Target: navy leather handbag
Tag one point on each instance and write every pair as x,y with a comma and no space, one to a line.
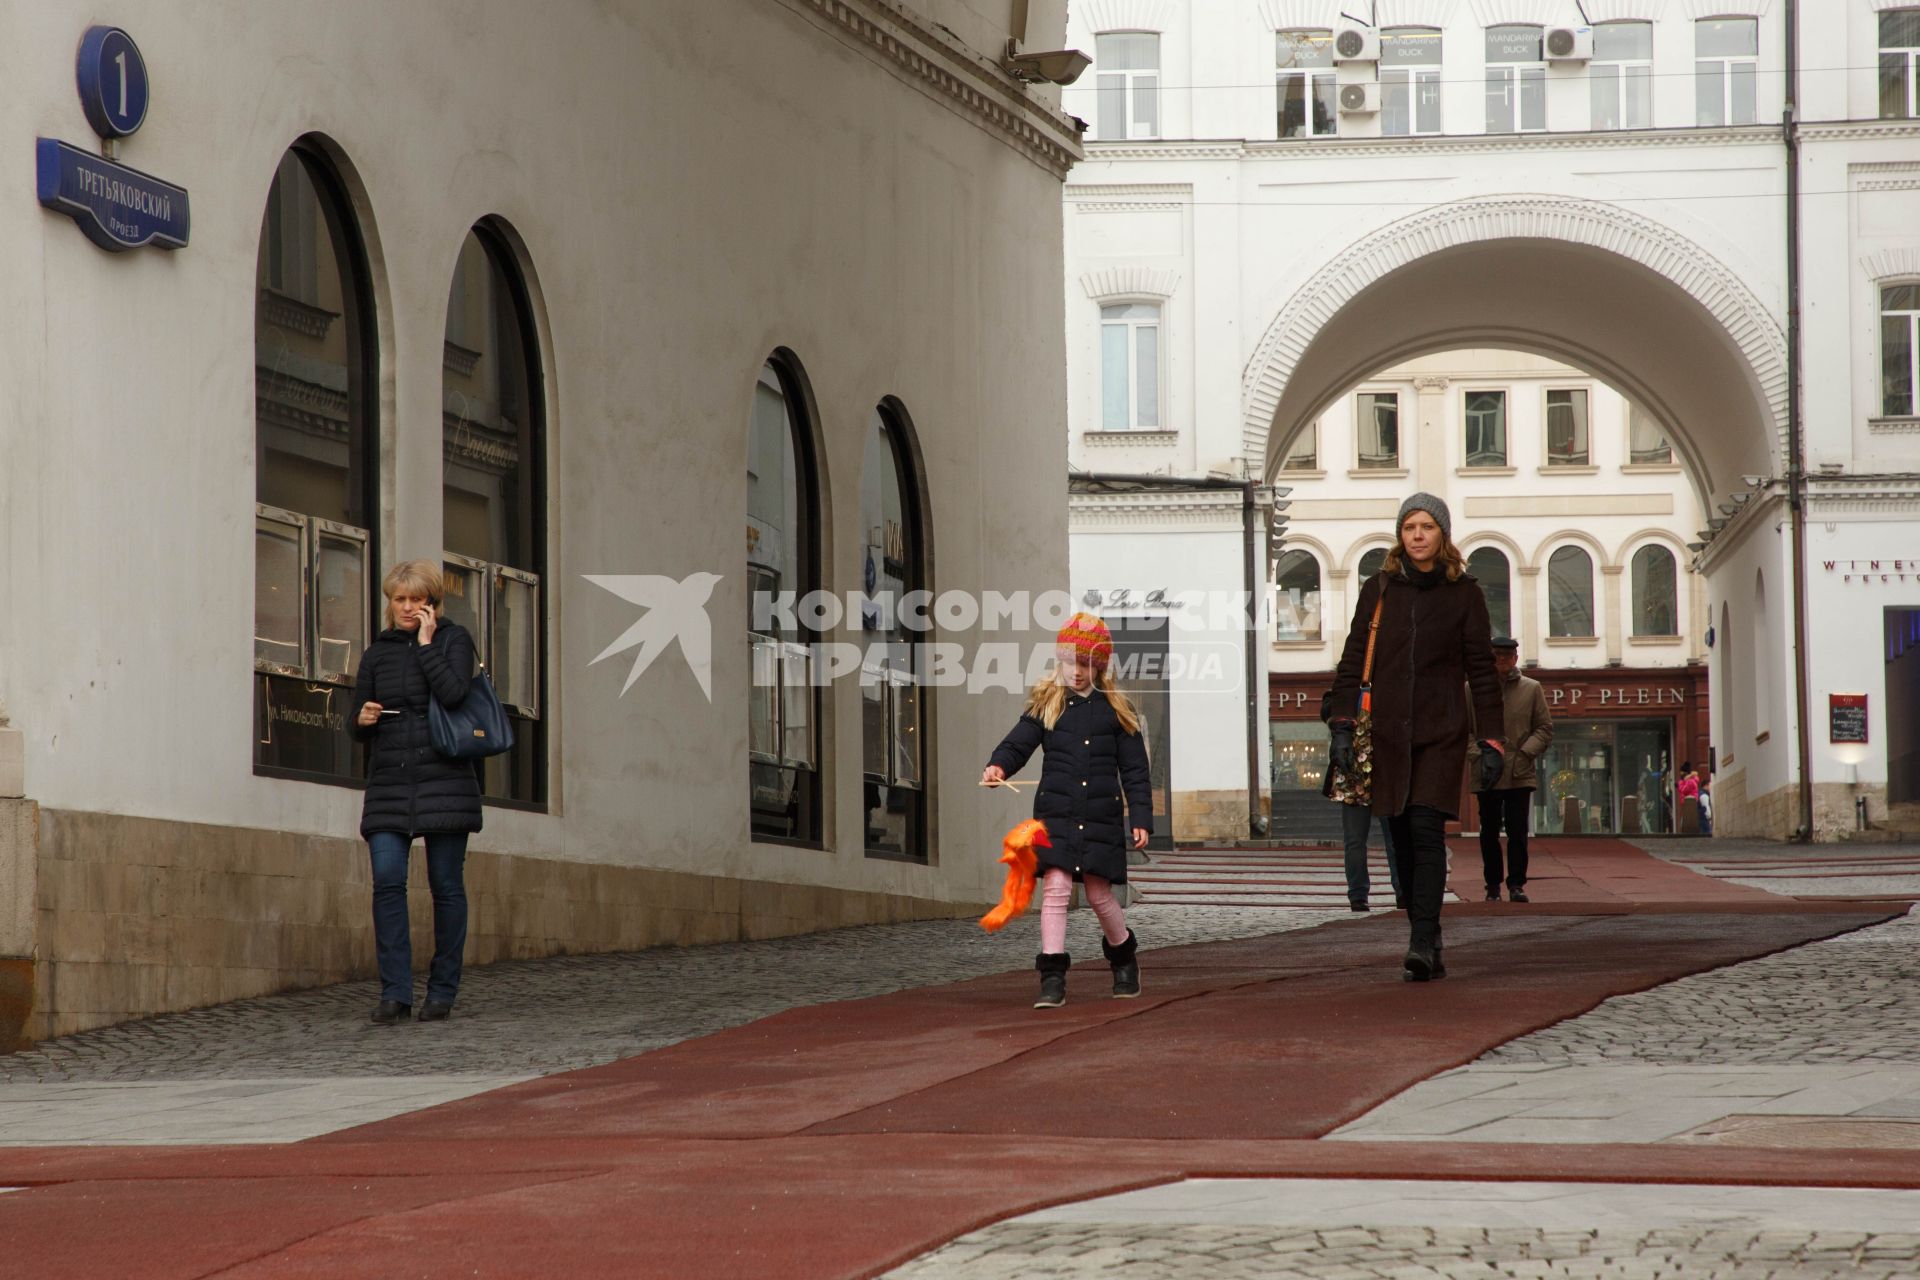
476,728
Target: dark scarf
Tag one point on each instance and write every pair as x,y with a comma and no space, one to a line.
1423,580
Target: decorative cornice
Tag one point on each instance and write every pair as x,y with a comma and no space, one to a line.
970,82
1294,15
1141,439
1416,13
1129,282
1316,149
1557,13
1860,130
1583,222
1886,264
284,311
1113,190
459,359
1177,149
1893,426
1127,15
1202,510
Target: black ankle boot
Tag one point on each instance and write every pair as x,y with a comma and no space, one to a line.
1126,968
1422,963
1053,967
390,1012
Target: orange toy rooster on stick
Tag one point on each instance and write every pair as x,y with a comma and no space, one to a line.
1016,850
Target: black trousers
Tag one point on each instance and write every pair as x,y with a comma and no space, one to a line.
1508,807
1420,846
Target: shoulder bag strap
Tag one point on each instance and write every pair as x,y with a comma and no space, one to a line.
1373,633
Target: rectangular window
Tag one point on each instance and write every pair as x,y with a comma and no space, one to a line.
1309,94
1377,429
1899,350
1409,82
1567,444
1726,70
1486,421
1516,80
1130,366
310,596
1647,443
1900,64
500,607
1127,85
1621,75
1305,455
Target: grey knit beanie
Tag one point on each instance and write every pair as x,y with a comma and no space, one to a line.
1435,507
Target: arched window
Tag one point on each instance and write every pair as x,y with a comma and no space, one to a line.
494,494
1570,593
1370,564
783,557
1296,606
316,458
1656,594
1763,670
1490,568
893,691
1730,679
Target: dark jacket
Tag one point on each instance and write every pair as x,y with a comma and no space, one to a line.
1090,762
1435,645
411,788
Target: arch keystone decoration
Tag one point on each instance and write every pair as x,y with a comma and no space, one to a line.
1890,264
1129,282
1586,223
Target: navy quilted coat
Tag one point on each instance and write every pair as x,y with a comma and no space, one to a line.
1093,785
411,788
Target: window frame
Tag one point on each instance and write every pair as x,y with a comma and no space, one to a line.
1133,327
1585,426
1727,69
1908,55
1634,594
1620,79
1312,462
1360,428
1912,317
1592,595
1421,81
1514,87
1130,92
891,419
1318,635
1506,586
1314,79
1506,428
1637,414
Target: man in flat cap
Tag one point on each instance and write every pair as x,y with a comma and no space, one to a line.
1509,804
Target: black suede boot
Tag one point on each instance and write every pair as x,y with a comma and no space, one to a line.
1423,959
1126,968
1053,966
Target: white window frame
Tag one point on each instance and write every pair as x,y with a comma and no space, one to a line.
1637,414
1359,430
491,579
1633,593
1596,623
1913,349
1318,635
1130,92
1313,77
1506,428
1546,427
1514,86
1312,433
792,667
1133,327
1912,53
1421,81
1726,66
1620,69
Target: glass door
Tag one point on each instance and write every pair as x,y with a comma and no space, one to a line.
1602,777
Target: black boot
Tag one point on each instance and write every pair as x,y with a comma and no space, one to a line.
391,1012
1053,967
1126,968
1422,963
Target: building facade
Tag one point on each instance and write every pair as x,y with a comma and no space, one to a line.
565,298
1283,199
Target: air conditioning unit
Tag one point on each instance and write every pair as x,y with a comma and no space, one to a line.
1570,44
1355,43
1360,99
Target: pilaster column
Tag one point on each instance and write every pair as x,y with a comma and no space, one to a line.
1333,622
1431,414
1615,630
1526,618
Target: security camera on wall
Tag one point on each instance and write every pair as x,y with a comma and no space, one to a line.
1056,66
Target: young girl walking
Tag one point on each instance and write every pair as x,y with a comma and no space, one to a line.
1094,799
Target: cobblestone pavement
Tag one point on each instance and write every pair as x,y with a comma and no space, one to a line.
1797,870
1854,998
524,1018
1082,1250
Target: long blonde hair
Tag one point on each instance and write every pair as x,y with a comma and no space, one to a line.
1449,556
1048,698
415,577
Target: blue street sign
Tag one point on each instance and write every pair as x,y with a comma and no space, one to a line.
119,208
113,82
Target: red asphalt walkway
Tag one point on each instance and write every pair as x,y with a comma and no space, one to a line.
840,1140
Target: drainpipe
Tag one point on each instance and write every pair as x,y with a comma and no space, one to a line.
1796,442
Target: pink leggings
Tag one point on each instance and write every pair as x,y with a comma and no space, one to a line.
1058,892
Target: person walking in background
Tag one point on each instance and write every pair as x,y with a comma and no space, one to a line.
1094,797
1686,787
1420,631
412,790
1509,802
1356,824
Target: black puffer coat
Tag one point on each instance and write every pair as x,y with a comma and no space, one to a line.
411,788
1090,762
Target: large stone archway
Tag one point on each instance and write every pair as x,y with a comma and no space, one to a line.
1612,291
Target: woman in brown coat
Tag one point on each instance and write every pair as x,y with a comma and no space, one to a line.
1433,644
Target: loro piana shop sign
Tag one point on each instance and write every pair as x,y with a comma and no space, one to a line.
118,207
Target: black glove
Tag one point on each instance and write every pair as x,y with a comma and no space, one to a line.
1491,765
1340,747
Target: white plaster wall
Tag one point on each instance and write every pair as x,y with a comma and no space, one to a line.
694,186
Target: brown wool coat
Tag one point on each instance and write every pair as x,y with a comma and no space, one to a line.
1434,647
1529,732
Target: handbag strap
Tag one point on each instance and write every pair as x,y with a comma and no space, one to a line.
1373,634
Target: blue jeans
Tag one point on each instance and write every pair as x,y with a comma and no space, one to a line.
1356,824
392,939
